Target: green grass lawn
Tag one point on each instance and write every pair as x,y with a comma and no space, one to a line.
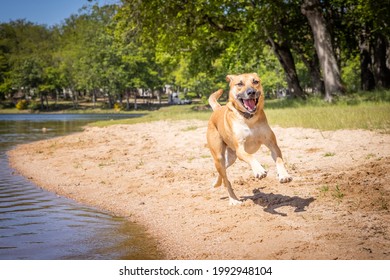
356,111
363,116
359,111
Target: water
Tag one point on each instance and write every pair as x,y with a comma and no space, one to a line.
36,224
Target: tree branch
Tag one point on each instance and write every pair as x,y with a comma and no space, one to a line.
220,26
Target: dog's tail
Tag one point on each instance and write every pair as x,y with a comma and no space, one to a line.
213,99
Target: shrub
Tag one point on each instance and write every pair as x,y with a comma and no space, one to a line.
118,107
22,104
191,95
351,74
205,100
33,106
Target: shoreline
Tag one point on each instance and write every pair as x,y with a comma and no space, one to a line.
159,175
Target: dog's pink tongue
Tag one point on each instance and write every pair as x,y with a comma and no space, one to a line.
250,104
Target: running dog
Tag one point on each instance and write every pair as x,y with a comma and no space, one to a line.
239,128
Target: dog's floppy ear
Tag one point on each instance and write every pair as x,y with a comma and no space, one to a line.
229,78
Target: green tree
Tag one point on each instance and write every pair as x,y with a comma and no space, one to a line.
363,30
204,31
26,52
324,47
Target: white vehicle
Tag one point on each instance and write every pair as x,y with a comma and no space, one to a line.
175,100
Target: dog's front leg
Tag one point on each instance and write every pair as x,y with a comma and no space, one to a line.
258,170
276,154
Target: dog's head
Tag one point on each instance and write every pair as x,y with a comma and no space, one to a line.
246,93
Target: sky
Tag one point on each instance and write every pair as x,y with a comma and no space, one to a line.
47,12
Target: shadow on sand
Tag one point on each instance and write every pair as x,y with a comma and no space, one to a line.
272,201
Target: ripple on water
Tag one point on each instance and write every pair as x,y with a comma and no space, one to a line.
36,224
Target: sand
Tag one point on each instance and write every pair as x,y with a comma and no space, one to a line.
160,175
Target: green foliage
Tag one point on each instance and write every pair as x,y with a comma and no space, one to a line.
337,193
26,51
118,107
22,104
350,74
190,45
32,105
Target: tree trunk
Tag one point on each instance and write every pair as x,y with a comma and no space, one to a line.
159,96
323,44
127,99
381,71
94,98
367,81
286,59
47,101
135,99
110,100
57,98
313,66
42,101
315,76
74,94
76,99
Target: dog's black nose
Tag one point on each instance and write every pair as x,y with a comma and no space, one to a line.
250,92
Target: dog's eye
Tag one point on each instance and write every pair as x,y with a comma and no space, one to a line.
240,84
255,82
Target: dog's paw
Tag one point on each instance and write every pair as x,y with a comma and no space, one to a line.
258,171
261,173
217,183
233,201
285,178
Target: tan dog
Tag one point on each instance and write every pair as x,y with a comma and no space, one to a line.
238,130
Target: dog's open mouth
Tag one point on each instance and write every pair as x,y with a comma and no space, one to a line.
249,104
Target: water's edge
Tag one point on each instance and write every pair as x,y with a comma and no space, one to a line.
38,224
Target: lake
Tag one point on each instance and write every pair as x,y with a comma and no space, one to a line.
36,224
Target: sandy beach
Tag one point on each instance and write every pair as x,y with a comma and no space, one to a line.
160,174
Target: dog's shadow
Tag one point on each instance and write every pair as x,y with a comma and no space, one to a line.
272,201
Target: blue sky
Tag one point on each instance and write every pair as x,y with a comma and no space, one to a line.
48,12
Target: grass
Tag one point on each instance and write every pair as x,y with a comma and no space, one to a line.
176,112
370,111
332,117
362,110
190,128
329,154
337,193
324,189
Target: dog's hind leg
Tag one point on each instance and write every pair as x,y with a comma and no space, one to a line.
230,159
220,165
222,157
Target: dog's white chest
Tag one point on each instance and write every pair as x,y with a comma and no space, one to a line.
245,134
242,131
